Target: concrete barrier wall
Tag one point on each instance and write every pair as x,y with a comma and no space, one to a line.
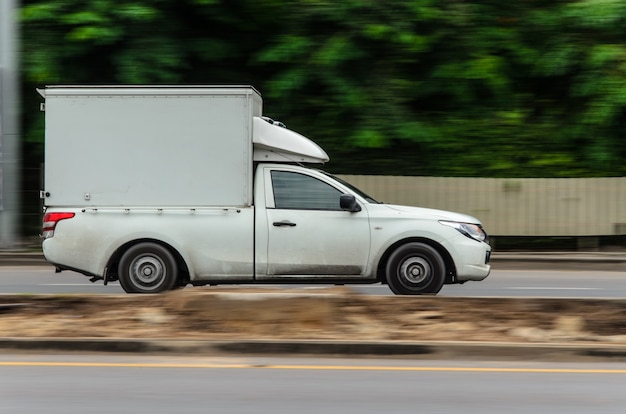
513,207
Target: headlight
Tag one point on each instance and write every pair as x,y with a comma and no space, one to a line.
473,231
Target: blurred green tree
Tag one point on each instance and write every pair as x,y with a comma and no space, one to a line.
420,87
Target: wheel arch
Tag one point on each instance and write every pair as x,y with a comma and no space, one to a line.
445,255
114,260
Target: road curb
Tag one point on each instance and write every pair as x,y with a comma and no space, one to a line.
22,259
419,350
560,261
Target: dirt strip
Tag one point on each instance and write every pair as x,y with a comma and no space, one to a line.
313,314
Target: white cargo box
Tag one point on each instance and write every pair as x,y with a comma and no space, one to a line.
146,146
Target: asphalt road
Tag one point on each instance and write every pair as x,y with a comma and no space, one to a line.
95,383
517,283
67,384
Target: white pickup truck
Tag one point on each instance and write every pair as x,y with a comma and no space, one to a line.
164,186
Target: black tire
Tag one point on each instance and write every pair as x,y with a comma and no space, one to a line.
415,269
147,268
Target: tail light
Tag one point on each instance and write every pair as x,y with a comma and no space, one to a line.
50,221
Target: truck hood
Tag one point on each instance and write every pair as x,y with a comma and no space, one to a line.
429,213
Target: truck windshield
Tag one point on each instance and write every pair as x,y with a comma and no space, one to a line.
351,187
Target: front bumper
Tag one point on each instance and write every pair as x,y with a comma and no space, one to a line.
471,259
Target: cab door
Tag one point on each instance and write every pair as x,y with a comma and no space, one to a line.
308,234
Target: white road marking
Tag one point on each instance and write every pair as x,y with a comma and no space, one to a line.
76,284
549,288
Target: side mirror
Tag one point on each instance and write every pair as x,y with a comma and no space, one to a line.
348,202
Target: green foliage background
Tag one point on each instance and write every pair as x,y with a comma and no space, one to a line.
527,88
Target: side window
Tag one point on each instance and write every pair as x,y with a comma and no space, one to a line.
301,192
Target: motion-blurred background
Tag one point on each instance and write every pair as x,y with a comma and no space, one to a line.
522,103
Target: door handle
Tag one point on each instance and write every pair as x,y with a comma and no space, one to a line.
284,223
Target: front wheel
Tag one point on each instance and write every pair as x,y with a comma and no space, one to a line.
147,268
415,269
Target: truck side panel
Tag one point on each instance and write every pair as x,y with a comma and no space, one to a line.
215,243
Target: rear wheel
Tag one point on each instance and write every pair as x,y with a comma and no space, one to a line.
147,268
415,269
